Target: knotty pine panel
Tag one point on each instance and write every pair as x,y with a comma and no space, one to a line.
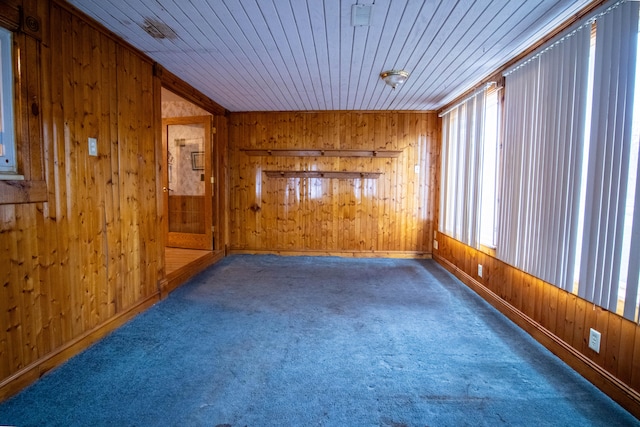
393,213
561,313
91,253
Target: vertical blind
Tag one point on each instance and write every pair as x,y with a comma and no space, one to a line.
545,109
462,150
569,189
608,168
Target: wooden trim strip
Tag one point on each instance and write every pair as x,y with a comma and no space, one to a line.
323,174
627,397
175,84
322,153
302,112
343,254
23,192
9,16
180,276
19,380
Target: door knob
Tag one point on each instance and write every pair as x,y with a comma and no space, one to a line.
165,189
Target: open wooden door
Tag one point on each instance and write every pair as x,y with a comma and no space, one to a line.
187,182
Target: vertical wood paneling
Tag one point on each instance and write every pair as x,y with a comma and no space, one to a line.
390,214
563,314
92,251
635,358
626,353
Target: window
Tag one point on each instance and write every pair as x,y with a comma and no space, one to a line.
609,265
566,207
22,173
469,150
569,175
545,113
8,164
489,171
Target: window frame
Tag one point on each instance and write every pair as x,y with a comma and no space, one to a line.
27,32
7,120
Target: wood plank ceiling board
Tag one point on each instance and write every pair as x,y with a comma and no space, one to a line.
297,55
473,42
443,45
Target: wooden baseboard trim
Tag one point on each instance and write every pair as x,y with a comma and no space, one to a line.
343,254
627,397
19,380
180,276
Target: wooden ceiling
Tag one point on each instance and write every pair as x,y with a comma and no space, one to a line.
295,55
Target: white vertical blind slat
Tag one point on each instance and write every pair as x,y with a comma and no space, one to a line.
444,174
479,118
556,177
576,134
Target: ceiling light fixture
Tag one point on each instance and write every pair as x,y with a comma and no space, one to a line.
394,77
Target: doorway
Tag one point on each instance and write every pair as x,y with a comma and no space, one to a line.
192,187
188,183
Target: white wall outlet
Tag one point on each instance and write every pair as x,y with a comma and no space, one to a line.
479,270
594,340
435,244
93,147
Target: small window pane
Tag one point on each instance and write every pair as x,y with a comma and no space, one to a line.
8,166
489,171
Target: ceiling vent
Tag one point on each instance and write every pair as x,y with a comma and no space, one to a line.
361,15
157,29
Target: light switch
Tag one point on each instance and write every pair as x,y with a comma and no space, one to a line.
93,147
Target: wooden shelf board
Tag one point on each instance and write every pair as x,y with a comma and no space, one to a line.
323,174
321,153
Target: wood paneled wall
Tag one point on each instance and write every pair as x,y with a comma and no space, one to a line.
91,255
558,319
391,215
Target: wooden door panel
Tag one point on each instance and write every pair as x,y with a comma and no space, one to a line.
187,182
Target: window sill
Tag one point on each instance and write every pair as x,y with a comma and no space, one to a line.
11,177
489,250
14,192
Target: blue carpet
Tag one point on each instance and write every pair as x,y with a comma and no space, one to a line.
277,341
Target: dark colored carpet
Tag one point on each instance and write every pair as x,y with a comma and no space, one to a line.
275,341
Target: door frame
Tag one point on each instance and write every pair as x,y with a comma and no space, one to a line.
190,240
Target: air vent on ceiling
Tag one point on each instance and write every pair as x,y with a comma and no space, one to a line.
158,30
361,15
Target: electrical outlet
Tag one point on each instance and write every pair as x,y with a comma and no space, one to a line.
479,270
594,340
93,147
435,244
